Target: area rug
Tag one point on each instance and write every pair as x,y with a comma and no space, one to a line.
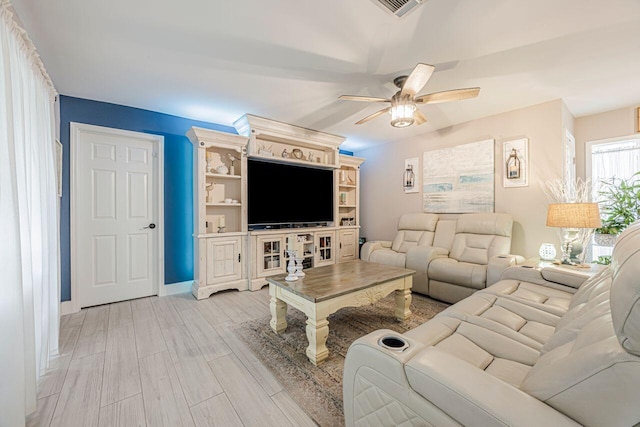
318,389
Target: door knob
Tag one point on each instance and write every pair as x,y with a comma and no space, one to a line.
151,226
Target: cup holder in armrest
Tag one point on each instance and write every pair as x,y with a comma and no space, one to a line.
393,343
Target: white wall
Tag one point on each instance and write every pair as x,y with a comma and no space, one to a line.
383,199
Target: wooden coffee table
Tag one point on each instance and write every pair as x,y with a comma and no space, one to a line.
325,290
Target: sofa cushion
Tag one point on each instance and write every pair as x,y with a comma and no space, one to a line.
592,379
407,239
625,289
485,223
388,257
499,355
541,297
460,273
517,321
414,229
596,305
418,221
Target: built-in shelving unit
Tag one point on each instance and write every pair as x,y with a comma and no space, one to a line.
220,226
227,255
348,206
285,143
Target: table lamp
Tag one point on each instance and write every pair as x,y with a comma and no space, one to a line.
572,217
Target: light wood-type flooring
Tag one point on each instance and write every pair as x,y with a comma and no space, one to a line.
170,361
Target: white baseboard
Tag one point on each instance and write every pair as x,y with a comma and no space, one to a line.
66,307
175,288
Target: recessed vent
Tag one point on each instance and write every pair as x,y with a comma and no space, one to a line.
399,7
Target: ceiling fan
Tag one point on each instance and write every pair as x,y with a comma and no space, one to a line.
404,111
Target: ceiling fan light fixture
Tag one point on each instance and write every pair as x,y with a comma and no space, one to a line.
402,109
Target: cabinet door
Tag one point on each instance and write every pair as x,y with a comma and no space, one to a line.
223,260
348,246
270,258
325,248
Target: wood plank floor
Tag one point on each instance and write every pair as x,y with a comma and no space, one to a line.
170,361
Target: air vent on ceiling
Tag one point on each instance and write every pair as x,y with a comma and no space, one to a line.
399,7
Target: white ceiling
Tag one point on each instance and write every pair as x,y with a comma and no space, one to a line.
289,60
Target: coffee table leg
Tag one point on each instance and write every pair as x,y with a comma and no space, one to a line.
317,333
278,315
403,302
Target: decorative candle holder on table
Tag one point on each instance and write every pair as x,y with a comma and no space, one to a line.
299,272
291,267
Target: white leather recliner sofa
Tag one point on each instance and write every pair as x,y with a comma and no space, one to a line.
452,258
527,351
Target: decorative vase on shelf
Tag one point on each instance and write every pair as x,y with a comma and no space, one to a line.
209,165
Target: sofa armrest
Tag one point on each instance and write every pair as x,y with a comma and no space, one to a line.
498,264
533,275
418,259
366,358
369,247
473,397
565,275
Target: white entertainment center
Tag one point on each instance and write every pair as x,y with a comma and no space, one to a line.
228,255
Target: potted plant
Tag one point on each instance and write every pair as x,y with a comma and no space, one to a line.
619,207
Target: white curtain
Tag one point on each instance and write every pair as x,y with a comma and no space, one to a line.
29,260
619,159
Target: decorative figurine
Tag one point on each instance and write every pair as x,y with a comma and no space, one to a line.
291,268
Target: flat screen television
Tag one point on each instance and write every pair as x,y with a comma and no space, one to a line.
284,194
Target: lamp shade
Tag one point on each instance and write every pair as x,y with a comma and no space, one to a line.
573,215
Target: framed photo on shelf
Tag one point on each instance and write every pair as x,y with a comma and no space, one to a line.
515,163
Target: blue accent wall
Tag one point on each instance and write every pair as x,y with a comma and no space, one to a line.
178,177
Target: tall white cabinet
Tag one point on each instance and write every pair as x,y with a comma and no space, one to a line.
230,256
347,182
220,218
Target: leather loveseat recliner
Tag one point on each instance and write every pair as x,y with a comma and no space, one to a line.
528,351
452,258
414,229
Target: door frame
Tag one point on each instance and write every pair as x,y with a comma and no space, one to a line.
158,141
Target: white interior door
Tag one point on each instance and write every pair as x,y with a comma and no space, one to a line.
116,214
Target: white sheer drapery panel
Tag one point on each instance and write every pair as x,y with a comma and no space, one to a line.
620,159
29,248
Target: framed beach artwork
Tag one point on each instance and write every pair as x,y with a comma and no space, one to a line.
459,179
515,163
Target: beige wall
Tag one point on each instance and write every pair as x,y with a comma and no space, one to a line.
612,124
383,200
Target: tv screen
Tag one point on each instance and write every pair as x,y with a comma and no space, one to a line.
288,194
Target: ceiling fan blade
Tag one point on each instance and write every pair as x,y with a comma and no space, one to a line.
419,117
373,116
363,98
448,95
417,79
